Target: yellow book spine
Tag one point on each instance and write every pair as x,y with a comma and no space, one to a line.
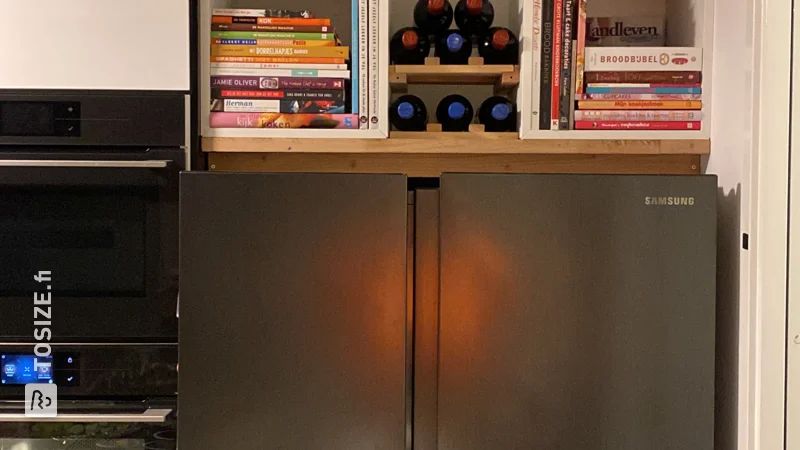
640,104
297,52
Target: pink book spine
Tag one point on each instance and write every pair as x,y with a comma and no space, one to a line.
634,125
626,116
282,120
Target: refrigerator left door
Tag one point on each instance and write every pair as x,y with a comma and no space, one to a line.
293,311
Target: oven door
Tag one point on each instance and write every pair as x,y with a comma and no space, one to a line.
97,234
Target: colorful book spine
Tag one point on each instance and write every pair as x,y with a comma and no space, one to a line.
580,46
608,90
545,88
652,115
239,12
565,82
536,60
277,60
363,65
644,59
636,104
251,28
644,77
261,66
555,91
272,35
644,85
300,52
332,94
354,57
639,97
636,125
374,82
274,42
279,120
295,21
266,83
274,106
259,73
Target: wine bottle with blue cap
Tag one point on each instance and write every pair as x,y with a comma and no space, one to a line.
408,113
453,47
433,16
454,113
498,114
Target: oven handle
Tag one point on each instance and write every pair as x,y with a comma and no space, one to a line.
78,163
149,416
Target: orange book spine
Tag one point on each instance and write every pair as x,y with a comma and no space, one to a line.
277,60
297,21
641,104
293,21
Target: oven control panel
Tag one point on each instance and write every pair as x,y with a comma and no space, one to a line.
62,369
40,118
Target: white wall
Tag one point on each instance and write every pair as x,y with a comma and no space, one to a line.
94,44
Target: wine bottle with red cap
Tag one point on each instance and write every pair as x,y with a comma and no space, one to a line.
474,17
455,113
453,47
433,16
498,114
408,113
409,45
499,46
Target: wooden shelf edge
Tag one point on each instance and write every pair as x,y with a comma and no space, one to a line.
460,143
433,165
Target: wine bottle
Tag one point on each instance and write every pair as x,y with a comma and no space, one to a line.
499,46
498,114
454,112
453,47
474,17
433,16
408,113
409,46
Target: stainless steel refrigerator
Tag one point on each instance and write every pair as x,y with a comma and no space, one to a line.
345,312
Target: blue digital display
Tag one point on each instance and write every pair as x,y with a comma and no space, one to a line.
24,369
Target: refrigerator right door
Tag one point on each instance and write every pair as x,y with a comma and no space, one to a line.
577,312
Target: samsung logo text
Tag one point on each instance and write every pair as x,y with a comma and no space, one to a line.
669,201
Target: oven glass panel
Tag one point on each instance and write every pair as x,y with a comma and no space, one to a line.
93,240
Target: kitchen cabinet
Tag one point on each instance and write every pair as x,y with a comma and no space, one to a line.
95,44
334,311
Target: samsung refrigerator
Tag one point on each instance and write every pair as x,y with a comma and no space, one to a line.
495,311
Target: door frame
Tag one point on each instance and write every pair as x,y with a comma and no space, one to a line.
765,215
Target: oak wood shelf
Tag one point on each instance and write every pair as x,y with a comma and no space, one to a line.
433,165
466,143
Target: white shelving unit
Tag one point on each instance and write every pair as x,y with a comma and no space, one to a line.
690,23
340,14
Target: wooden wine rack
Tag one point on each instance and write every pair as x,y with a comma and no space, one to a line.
503,76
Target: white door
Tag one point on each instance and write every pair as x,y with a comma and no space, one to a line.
792,420
94,44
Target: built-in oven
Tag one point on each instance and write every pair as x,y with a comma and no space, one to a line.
89,248
89,216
